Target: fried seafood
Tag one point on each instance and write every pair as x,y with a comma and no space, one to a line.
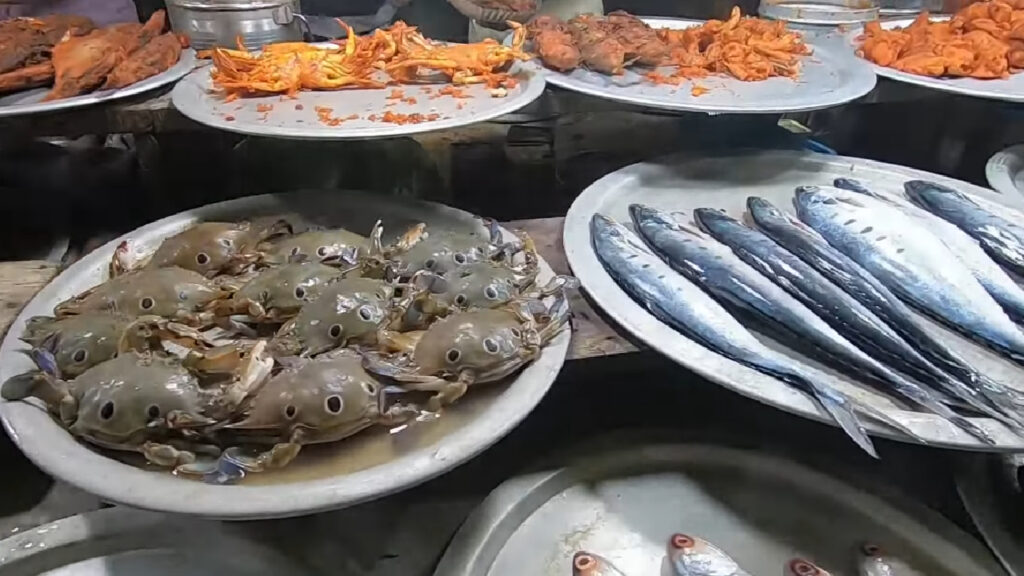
485,62
749,49
151,59
29,41
271,339
984,40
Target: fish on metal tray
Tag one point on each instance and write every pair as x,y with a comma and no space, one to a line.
911,262
752,297
689,310
694,556
996,281
589,564
970,386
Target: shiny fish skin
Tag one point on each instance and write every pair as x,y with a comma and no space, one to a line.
996,281
694,556
971,386
872,561
911,262
589,564
685,307
852,320
1002,239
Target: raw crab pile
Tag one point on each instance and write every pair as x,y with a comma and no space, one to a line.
232,345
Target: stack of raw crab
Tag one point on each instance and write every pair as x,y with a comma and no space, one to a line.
240,342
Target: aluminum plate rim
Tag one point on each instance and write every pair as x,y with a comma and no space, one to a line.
51,448
626,312
186,63
477,543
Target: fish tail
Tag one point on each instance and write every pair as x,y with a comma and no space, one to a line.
884,418
838,406
924,399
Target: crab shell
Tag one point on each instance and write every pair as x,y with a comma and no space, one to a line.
277,293
314,245
77,343
349,310
169,292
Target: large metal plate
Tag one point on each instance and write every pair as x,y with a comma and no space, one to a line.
827,78
29,101
1009,89
124,541
297,117
681,184
361,468
762,510
988,493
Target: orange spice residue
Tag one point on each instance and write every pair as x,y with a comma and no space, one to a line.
699,90
401,119
426,89
396,94
264,107
409,101
324,115
452,91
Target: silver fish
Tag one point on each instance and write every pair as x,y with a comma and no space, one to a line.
857,337
685,307
589,564
872,561
911,262
801,567
1002,239
995,280
694,556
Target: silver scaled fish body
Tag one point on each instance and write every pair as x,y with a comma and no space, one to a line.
589,564
685,307
694,556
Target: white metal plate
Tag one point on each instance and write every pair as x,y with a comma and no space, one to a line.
828,77
369,465
29,101
684,184
1009,89
283,117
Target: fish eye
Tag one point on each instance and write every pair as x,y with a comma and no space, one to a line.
334,331
202,259
226,242
300,292
365,313
182,295
107,410
460,299
453,355
681,541
490,346
429,263
491,293
290,411
321,251
459,258
146,303
370,388
870,549
803,568
334,404
153,411
80,355
584,562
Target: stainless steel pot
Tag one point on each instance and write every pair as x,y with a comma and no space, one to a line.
209,23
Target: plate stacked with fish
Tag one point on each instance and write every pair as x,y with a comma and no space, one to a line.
881,299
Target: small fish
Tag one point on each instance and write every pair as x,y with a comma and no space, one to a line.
996,281
589,564
970,386
911,262
688,309
1002,239
801,567
851,319
694,556
872,561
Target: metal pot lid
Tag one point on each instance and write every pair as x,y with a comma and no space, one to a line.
230,4
819,13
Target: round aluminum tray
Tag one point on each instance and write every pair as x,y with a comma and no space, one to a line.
678,183
367,466
763,510
987,489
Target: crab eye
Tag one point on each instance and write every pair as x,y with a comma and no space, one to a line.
459,258
453,355
370,388
365,313
300,292
146,303
334,404
321,251
290,411
460,299
107,410
202,259
334,331
490,346
491,293
80,355
153,411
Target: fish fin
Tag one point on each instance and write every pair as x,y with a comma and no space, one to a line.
842,412
884,418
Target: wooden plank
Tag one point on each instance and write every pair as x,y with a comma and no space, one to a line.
19,282
592,335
